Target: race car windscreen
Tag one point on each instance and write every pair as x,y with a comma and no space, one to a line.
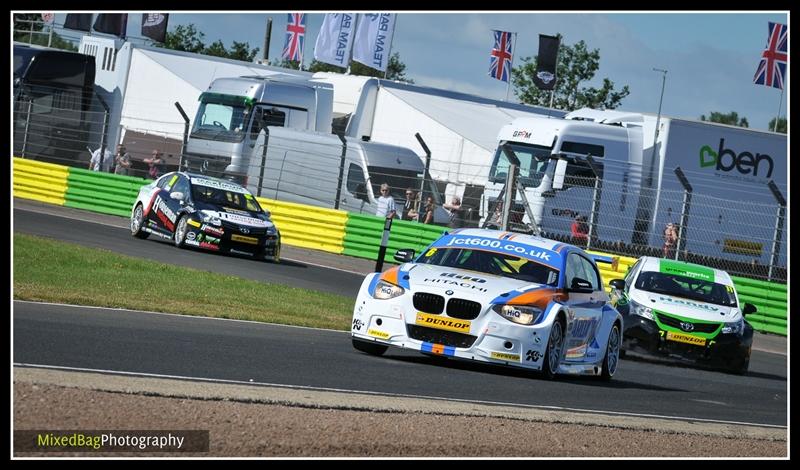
489,262
223,198
687,288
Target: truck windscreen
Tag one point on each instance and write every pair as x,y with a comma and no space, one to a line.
222,117
533,161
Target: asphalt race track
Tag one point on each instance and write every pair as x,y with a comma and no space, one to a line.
147,343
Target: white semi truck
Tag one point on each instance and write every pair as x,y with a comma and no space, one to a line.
732,213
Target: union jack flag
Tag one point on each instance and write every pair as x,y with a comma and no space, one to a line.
500,58
772,68
295,37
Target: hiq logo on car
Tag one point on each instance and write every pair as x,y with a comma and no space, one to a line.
725,159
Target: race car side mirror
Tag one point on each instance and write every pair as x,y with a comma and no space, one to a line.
748,309
580,285
404,256
618,284
177,195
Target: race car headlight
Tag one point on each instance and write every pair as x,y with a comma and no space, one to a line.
641,310
385,290
272,231
735,327
210,218
521,314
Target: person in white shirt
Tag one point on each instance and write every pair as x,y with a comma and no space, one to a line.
94,163
386,206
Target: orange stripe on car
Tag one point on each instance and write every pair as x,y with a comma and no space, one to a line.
539,297
391,275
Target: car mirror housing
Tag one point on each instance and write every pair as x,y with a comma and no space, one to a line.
404,256
749,309
177,195
580,285
618,284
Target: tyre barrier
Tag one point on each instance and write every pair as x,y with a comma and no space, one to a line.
328,230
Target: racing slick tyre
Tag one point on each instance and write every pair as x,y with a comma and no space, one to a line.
552,355
137,221
740,367
611,359
179,237
369,347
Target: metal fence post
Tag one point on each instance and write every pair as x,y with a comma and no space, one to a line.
387,228
263,162
340,181
27,127
509,194
104,135
596,193
687,201
424,174
185,134
776,238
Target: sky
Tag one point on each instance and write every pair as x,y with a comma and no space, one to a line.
710,57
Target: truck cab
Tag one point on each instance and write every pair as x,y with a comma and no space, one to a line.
539,143
233,111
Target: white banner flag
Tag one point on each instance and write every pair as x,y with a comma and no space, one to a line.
335,39
374,40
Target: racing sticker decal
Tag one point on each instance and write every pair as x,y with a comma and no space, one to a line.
687,303
212,230
510,247
430,252
171,182
378,333
243,239
532,355
194,223
438,349
442,323
357,324
218,185
695,272
164,213
243,220
235,211
505,356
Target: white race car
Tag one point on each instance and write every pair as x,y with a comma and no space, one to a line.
684,311
494,297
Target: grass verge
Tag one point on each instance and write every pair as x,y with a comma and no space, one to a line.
53,271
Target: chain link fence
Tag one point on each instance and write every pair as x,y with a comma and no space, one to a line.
742,232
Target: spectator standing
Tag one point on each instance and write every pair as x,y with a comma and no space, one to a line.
95,162
155,164
123,161
426,215
456,212
386,206
670,240
580,230
410,206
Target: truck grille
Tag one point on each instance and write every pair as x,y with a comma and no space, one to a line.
428,303
463,309
698,327
447,338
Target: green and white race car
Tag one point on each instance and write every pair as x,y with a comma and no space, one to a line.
683,311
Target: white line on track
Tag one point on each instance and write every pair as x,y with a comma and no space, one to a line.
396,395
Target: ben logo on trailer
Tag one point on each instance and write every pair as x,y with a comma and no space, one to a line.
725,159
